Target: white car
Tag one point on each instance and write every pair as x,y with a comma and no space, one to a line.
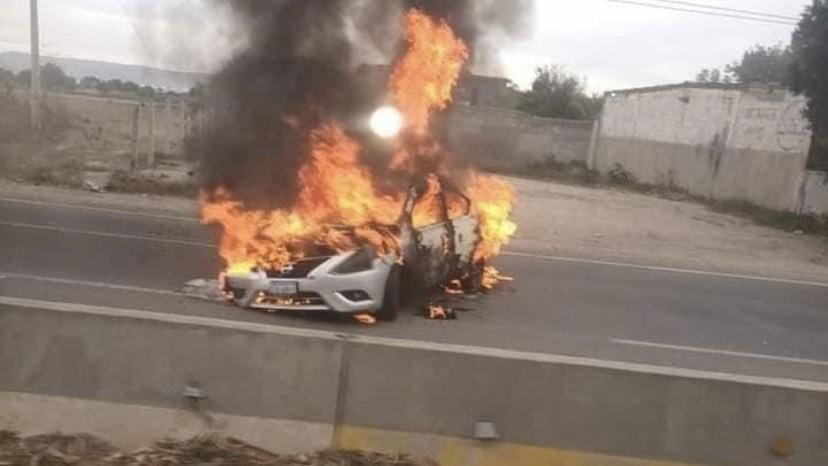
362,281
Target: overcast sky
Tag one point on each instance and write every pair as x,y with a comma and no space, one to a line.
614,45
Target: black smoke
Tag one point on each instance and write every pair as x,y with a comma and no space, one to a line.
298,70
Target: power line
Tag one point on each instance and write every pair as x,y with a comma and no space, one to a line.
709,13
732,10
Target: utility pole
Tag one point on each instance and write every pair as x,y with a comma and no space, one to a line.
34,92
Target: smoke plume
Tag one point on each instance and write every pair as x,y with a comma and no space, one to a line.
299,69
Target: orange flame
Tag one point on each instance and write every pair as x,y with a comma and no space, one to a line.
494,199
423,79
339,206
439,312
336,191
365,319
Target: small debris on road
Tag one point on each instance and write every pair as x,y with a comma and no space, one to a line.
90,185
365,319
440,312
203,288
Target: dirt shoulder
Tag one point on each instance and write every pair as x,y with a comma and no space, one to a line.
146,203
580,222
609,224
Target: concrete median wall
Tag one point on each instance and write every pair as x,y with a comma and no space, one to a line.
290,390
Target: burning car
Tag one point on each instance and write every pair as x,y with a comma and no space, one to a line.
364,280
317,214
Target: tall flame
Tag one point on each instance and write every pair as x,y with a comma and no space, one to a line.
494,199
425,76
337,189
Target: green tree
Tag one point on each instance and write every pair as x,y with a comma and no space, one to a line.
23,77
197,91
147,92
713,75
90,82
131,87
110,86
809,71
51,77
555,93
766,64
6,75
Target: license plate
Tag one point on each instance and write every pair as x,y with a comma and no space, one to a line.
282,288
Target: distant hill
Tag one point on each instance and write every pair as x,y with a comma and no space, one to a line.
143,75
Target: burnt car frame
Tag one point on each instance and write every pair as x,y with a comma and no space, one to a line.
362,281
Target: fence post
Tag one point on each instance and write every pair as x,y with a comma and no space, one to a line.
171,129
151,155
133,160
593,144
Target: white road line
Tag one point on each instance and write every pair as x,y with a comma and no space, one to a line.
99,209
74,308
693,349
157,239
505,253
66,281
666,269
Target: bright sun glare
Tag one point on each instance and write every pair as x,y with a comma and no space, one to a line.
386,122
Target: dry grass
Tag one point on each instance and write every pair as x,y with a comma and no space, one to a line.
125,182
37,165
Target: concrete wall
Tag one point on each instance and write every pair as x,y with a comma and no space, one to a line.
508,139
815,193
487,136
82,368
722,143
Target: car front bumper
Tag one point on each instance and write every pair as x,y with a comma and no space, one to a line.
322,289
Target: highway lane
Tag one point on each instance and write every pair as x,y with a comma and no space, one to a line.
657,316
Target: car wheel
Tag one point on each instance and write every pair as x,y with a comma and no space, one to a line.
472,281
391,297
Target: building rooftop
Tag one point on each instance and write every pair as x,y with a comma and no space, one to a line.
770,87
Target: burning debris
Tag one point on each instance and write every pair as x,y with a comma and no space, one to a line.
365,319
288,171
440,312
82,449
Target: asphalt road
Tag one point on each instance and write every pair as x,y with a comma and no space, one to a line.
690,319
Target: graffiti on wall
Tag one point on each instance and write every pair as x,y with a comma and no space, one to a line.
774,128
792,131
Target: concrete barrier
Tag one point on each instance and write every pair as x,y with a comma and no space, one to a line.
114,363
84,368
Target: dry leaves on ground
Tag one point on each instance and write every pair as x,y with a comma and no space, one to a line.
213,450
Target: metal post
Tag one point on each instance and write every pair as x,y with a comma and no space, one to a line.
151,155
133,161
171,126
34,92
